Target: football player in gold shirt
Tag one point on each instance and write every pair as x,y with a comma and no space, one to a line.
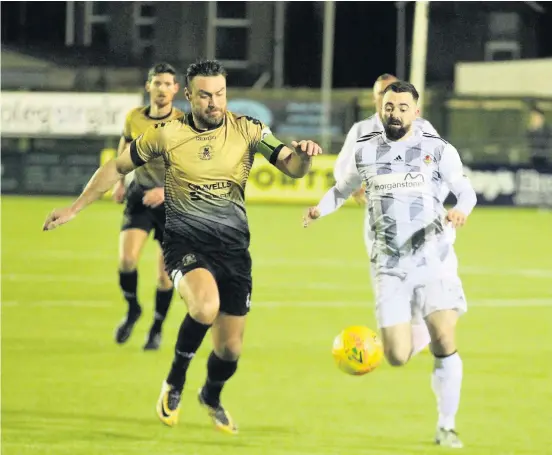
144,208
208,155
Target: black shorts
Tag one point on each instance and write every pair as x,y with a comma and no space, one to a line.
139,216
231,269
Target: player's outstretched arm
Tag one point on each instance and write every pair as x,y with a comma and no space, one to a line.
336,196
102,181
296,162
330,202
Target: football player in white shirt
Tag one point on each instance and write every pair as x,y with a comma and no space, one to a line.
404,170
420,333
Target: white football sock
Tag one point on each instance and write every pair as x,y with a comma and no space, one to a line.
420,337
446,382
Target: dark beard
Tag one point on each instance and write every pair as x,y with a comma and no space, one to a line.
210,123
396,133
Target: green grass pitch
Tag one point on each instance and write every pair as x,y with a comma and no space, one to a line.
68,389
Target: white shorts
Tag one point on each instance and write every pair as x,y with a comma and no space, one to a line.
414,294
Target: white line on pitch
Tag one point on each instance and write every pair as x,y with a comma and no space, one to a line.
285,262
489,303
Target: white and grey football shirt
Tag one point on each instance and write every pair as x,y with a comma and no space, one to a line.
404,182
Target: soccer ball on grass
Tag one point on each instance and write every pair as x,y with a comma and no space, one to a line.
357,350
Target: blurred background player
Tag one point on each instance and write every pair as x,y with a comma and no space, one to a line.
372,124
403,169
209,154
144,210
539,136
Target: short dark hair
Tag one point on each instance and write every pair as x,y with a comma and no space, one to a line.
161,68
204,68
386,77
403,87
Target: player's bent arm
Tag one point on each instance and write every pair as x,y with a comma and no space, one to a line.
465,195
332,201
452,171
294,162
104,179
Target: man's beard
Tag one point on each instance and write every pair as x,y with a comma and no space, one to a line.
394,133
209,121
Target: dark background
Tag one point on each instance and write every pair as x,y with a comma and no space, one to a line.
365,33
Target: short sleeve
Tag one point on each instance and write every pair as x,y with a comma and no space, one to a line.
427,127
350,179
343,158
149,145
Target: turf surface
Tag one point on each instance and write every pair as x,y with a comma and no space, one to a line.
68,389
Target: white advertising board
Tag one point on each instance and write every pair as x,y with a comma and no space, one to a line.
65,114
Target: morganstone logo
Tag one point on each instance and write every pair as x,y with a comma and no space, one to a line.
399,181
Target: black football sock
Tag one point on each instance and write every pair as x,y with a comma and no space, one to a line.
129,285
163,299
190,337
218,372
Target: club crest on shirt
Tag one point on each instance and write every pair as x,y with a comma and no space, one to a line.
205,152
428,159
188,259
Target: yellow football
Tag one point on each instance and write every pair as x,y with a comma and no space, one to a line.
357,350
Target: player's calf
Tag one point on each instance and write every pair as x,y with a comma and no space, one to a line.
131,242
219,371
446,379
222,365
163,297
128,281
199,290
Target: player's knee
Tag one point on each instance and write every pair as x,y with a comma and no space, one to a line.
442,343
205,314
397,356
230,349
204,309
128,263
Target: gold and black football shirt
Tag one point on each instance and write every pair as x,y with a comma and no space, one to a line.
137,121
206,175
